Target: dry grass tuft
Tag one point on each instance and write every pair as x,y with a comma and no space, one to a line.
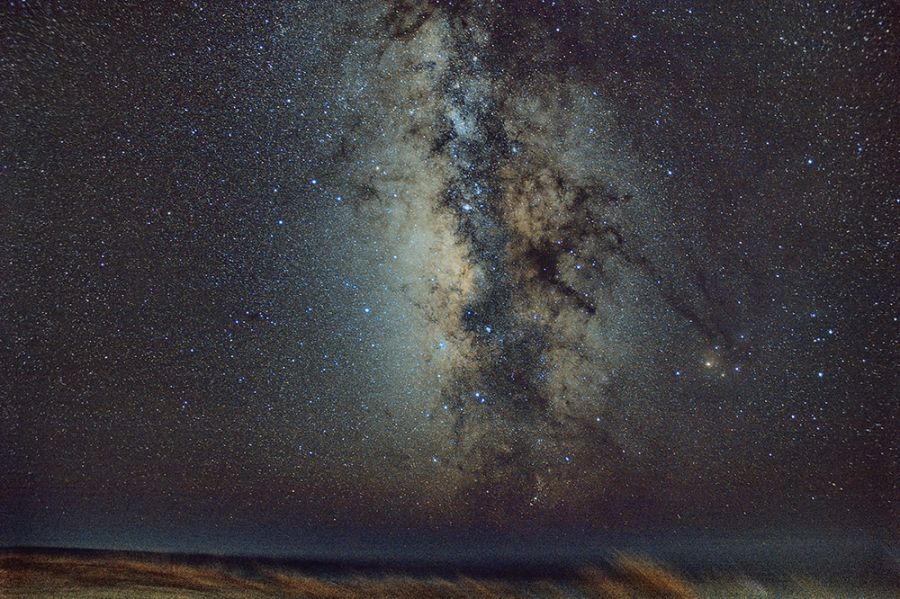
651,579
596,583
634,577
489,589
392,587
307,586
53,572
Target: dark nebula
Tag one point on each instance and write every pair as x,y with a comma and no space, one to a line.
324,278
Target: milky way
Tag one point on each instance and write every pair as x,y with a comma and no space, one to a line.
309,279
541,257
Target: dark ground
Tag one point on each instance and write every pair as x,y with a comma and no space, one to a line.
47,572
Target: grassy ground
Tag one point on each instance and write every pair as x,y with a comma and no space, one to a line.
113,577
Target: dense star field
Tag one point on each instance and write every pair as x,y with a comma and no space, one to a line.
337,277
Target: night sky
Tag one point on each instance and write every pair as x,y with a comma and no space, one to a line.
316,277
